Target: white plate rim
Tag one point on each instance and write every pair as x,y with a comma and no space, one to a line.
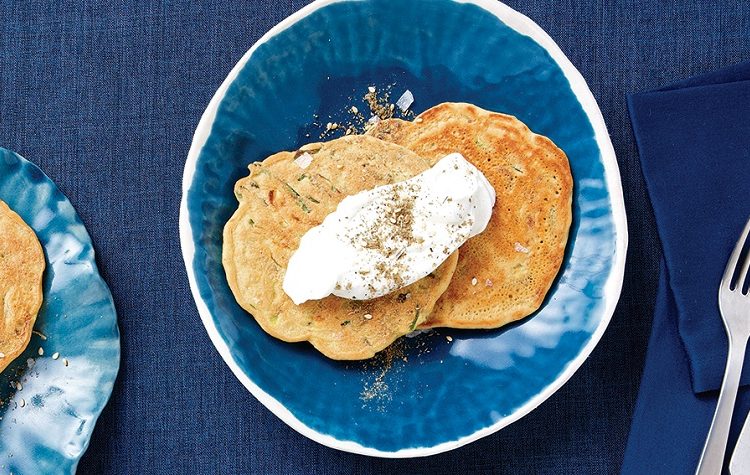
612,289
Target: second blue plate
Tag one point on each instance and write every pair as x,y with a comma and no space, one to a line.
50,398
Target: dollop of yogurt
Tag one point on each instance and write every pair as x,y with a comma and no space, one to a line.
386,238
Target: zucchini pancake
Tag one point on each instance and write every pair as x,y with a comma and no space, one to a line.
21,267
503,273
279,202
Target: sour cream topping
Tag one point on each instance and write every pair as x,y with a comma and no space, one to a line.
386,238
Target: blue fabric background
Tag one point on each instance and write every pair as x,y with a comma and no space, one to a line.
104,96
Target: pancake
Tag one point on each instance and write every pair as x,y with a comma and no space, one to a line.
278,203
21,268
503,273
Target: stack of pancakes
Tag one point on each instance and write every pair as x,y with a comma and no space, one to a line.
496,277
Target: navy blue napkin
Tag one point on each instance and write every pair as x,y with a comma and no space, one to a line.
694,142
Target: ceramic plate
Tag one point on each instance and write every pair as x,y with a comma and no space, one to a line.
431,393
46,422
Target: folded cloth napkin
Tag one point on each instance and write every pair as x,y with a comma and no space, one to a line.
694,142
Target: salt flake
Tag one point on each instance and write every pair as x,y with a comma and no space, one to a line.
304,160
405,101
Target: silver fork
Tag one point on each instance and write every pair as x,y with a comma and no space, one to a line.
735,311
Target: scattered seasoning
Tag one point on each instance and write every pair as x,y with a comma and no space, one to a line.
488,283
368,316
65,361
474,281
2,355
377,100
311,147
449,338
520,248
39,334
40,351
55,355
19,386
390,235
379,105
23,402
381,373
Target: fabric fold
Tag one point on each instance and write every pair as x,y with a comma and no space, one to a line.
694,144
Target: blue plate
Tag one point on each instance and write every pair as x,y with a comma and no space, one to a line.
431,393
46,423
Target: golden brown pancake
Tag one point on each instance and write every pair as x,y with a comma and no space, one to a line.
503,273
21,268
279,203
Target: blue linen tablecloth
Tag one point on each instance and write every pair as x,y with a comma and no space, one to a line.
105,96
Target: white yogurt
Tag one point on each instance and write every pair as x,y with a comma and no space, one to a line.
386,238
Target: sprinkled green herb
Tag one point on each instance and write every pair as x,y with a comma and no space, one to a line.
300,201
302,177
312,199
416,317
291,190
479,143
330,183
345,323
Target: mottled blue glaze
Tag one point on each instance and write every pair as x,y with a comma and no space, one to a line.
441,51
49,431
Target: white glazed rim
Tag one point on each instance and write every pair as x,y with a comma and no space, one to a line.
612,288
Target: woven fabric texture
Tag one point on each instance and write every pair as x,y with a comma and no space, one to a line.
105,96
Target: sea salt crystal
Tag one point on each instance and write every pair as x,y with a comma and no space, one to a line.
304,160
405,101
519,248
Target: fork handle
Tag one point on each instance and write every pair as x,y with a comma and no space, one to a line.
712,458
